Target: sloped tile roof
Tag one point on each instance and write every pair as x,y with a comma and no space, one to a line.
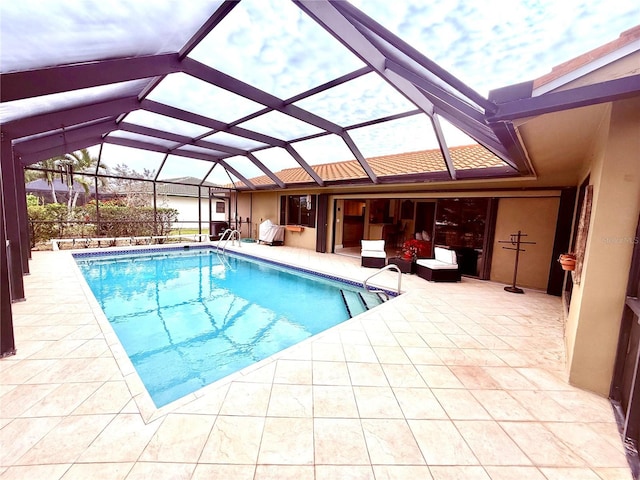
569,66
464,158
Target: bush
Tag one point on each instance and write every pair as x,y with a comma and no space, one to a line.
50,221
46,222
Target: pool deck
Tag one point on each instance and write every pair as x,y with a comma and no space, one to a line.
448,381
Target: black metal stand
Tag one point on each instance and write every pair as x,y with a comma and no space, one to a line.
516,240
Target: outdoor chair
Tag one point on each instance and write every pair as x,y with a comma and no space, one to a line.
373,254
442,268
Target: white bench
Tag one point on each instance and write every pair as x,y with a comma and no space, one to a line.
442,268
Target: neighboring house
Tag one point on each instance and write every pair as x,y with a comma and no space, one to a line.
191,201
583,196
42,189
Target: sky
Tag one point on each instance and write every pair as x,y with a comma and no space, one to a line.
275,46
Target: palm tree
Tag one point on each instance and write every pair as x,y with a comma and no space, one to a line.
78,162
47,173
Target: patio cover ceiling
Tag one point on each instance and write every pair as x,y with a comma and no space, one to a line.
149,83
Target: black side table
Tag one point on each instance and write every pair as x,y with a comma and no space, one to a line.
405,266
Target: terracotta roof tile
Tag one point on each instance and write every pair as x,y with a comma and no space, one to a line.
463,158
569,66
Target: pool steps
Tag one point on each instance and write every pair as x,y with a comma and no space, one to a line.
359,302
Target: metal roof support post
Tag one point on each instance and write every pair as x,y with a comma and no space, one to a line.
23,217
12,227
7,340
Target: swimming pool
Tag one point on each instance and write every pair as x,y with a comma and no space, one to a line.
189,317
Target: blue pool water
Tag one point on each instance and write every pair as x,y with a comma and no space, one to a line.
187,319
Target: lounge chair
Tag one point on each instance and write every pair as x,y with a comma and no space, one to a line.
373,254
442,268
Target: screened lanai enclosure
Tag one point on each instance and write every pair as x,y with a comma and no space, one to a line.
229,96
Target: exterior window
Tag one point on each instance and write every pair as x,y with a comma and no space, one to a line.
300,210
219,207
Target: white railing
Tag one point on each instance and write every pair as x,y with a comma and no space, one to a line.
388,267
227,235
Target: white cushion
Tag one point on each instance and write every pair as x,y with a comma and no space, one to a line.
373,254
372,245
446,255
434,264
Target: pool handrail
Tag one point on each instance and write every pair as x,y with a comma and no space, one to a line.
391,266
233,236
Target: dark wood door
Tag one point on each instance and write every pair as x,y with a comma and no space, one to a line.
625,386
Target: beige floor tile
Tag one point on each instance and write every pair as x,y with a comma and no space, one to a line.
246,399
419,404
209,403
63,400
512,473
50,472
501,405
594,449
390,442
377,402
543,407
459,473
339,442
290,401
543,379
334,401
22,371
111,397
509,378
437,340
441,443
330,373
161,471
423,356
569,473
23,397
359,353
57,349
261,374
474,330
390,355
293,371
460,404
367,374
410,340
226,472
98,471
464,341
490,444
287,441
439,376
403,376
593,407
473,376
180,439
607,431
344,472
67,440
21,434
402,472
123,440
284,472
541,446
330,352
234,440
623,473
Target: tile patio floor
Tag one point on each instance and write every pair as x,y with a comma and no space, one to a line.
448,381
